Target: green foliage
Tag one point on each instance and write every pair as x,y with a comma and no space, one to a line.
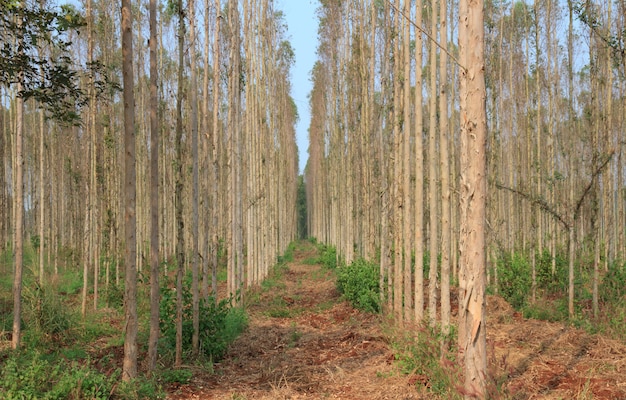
139,389
301,207
29,376
289,252
613,286
48,319
220,323
114,295
358,282
176,376
514,279
552,283
423,356
328,256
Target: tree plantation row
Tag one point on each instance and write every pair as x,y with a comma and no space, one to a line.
455,144
388,177
146,152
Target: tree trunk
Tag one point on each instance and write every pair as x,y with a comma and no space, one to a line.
154,193
18,212
445,172
180,225
195,293
432,172
472,328
129,369
419,171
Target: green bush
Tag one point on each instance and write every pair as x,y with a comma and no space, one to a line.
30,376
613,286
552,282
328,256
514,279
358,282
288,256
45,315
220,323
424,356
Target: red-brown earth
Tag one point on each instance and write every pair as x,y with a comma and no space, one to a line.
304,342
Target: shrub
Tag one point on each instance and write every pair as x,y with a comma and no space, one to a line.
328,256
425,357
514,280
45,315
358,282
30,376
220,323
613,286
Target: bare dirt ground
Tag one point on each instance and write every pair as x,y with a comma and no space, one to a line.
304,342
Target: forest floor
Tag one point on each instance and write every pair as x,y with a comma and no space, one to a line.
305,342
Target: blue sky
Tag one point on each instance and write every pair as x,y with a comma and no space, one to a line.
302,22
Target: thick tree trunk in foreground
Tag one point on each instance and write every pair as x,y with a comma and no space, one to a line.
472,329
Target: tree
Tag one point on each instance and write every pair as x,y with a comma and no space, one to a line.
129,370
25,29
472,322
154,193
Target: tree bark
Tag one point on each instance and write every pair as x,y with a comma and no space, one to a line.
472,321
153,340
129,368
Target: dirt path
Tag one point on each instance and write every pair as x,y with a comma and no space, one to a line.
303,342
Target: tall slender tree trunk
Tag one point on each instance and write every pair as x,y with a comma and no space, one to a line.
195,292
406,40
18,236
472,321
180,225
445,171
432,172
154,193
419,171
129,368
215,148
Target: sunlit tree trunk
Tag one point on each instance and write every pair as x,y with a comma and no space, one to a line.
419,171
179,186
18,228
445,171
472,321
193,95
129,370
432,172
154,193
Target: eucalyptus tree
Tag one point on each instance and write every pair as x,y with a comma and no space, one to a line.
129,371
26,28
472,321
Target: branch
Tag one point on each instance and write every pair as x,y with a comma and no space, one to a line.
538,201
419,28
590,184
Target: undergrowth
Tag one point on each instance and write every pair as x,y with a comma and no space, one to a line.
359,284
220,324
420,353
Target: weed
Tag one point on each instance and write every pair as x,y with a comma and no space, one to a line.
424,356
176,376
220,323
358,282
328,256
139,389
28,375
